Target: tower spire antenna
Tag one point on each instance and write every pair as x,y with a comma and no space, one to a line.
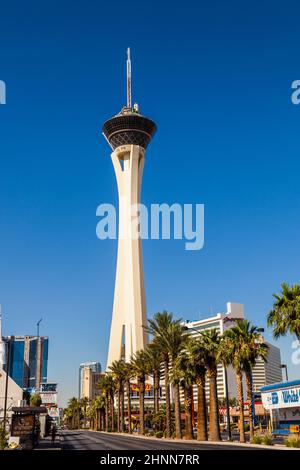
129,99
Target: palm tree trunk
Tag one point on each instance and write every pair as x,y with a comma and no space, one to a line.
129,406
240,393
188,393
214,426
98,420
121,405
167,394
78,418
119,412
103,421
201,411
141,384
106,413
112,412
156,390
176,392
250,400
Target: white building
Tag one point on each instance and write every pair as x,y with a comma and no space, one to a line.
14,395
264,373
89,376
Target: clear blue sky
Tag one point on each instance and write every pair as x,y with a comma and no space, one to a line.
216,78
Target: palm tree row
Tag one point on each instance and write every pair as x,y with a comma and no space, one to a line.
180,363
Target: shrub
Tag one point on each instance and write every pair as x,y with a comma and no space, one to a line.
35,400
267,440
257,439
3,437
293,441
151,433
146,432
159,434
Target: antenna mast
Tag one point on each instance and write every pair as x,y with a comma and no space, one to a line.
129,101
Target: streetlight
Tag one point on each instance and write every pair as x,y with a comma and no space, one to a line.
284,366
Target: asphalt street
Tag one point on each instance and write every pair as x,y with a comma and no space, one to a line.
88,440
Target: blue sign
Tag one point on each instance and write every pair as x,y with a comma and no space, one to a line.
274,398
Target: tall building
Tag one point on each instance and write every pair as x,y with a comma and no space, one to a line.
267,373
28,360
2,345
89,376
264,373
128,134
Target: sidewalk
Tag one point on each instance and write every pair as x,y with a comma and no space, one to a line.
46,444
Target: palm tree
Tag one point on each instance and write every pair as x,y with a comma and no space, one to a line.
154,359
285,315
183,372
199,359
210,339
234,351
99,406
68,416
92,414
102,385
170,335
158,326
252,347
84,403
138,363
35,400
74,407
107,386
118,371
128,374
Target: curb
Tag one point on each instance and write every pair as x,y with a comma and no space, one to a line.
195,442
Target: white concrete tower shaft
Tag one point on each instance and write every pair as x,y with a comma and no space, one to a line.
129,310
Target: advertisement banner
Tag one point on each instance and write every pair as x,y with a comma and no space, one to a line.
285,398
49,398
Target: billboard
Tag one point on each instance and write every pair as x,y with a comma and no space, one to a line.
53,412
22,425
49,398
48,387
285,398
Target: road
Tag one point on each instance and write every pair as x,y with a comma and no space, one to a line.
88,440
